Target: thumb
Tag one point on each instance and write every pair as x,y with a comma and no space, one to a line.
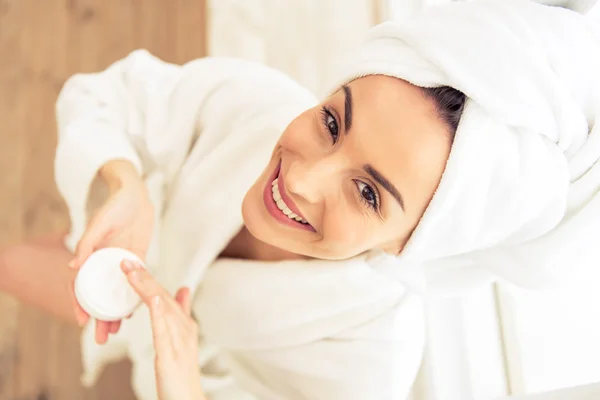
88,243
184,299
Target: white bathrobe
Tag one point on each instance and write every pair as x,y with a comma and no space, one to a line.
200,134
519,198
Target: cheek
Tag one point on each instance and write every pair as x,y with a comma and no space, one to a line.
346,233
299,133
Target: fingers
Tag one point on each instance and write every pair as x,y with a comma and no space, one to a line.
143,283
160,328
186,327
102,331
184,299
114,327
149,289
161,305
80,315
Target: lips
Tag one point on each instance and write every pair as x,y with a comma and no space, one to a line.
286,199
273,208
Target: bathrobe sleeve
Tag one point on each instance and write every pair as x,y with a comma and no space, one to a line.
100,117
145,111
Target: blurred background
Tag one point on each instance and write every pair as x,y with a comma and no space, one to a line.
495,342
42,43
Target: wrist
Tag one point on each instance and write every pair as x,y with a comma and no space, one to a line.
120,173
197,393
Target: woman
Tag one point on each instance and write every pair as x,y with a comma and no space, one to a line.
455,148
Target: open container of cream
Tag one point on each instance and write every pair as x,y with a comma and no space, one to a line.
101,287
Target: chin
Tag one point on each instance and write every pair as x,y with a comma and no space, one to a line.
254,217
250,214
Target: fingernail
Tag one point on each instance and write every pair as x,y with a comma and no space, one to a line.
135,276
157,303
128,265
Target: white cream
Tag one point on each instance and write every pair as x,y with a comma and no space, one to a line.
282,206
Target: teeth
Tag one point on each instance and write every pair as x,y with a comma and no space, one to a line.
276,194
282,206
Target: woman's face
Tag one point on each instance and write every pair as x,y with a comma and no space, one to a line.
352,174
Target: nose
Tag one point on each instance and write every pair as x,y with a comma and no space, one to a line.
310,180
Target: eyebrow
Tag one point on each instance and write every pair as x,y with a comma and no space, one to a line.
387,185
347,108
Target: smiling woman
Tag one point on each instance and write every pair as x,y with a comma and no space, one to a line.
360,168
395,186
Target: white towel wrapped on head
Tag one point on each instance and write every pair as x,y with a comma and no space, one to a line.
519,193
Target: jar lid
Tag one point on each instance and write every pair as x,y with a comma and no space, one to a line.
101,287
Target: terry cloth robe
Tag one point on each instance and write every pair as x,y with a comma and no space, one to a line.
200,134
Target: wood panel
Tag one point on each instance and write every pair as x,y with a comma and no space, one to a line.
42,43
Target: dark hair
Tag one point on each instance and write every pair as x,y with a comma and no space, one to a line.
449,104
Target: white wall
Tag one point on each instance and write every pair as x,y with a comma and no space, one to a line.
304,38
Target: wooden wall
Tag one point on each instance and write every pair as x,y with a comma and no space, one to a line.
42,43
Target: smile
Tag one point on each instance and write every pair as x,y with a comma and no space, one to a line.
280,205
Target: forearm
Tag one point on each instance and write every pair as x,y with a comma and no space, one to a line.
95,115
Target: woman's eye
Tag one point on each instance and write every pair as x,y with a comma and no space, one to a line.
330,123
368,194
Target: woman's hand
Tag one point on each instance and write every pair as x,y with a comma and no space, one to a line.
175,336
125,220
